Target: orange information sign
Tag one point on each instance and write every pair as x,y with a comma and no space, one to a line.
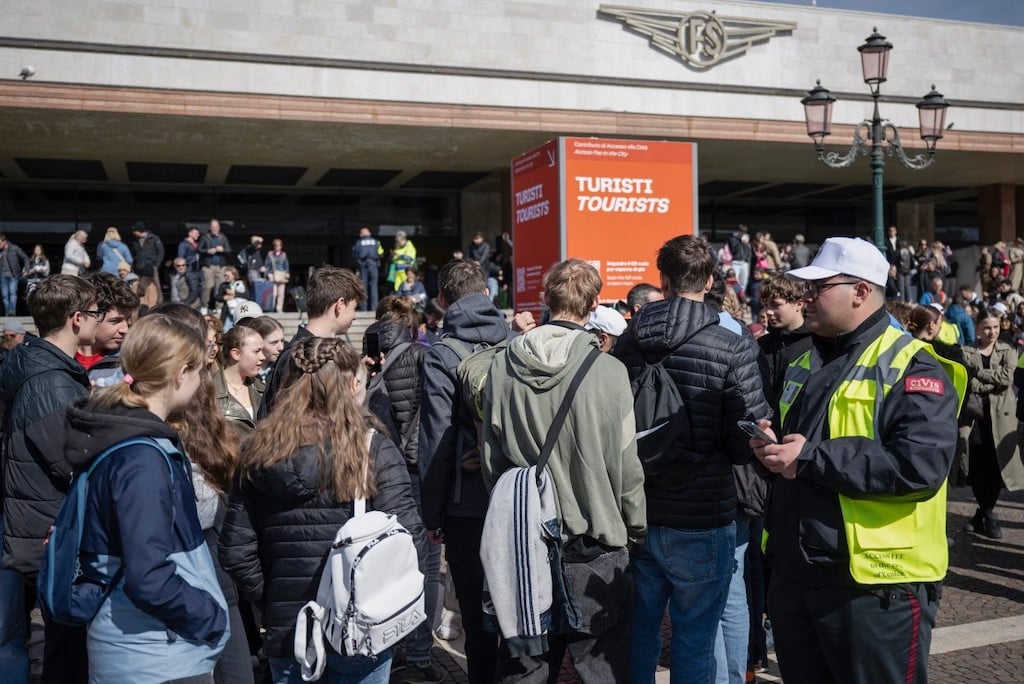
536,222
618,200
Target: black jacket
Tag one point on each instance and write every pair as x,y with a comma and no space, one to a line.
717,375
280,526
278,375
148,254
779,348
37,382
403,382
444,418
911,460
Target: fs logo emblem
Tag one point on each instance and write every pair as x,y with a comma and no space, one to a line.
701,39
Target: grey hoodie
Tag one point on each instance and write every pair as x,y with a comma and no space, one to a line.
597,476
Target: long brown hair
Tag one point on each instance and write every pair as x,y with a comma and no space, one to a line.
318,408
211,444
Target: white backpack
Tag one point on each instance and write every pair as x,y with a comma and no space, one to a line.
370,594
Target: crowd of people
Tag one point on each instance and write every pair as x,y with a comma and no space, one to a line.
699,463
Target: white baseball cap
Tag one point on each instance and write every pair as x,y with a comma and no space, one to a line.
607,320
845,256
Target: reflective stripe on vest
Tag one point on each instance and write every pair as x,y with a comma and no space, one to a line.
889,541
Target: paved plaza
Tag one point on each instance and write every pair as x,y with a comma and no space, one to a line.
980,634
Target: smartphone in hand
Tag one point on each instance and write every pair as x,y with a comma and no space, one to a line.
754,430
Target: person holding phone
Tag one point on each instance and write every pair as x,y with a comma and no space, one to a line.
866,435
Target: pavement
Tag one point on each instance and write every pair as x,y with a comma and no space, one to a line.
979,635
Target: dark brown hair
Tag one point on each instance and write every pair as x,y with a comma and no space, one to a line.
112,293
460,278
327,285
781,287
56,298
687,262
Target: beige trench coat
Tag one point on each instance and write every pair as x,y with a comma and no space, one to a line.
996,384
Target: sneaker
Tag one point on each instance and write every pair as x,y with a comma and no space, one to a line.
447,632
422,674
977,523
398,658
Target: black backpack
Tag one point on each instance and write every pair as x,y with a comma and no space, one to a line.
661,417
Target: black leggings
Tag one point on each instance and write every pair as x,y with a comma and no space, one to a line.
985,475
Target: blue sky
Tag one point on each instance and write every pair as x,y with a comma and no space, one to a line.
1006,12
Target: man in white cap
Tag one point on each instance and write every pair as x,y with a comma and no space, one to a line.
607,324
856,524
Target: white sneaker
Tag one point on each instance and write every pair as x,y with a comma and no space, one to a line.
447,632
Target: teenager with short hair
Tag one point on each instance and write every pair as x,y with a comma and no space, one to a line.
37,381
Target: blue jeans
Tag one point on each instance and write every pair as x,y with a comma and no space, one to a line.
13,627
340,669
9,287
368,273
734,627
690,571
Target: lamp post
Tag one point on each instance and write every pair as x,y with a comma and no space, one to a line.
876,136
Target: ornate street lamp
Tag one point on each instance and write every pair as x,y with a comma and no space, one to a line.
876,136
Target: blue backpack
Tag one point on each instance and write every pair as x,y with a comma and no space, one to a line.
65,593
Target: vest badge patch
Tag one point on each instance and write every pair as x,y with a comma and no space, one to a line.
921,385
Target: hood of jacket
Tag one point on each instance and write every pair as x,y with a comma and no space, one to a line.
34,356
474,319
548,354
661,327
390,334
89,431
291,481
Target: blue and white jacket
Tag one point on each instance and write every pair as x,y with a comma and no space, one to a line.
167,617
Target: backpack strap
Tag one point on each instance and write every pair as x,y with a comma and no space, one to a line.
563,410
359,505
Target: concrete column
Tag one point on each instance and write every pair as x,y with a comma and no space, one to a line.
997,210
915,221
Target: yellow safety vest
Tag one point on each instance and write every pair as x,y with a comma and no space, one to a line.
949,333
890,540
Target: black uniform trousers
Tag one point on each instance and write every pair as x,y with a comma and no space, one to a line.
852,635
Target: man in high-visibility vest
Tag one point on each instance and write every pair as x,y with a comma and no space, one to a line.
856,524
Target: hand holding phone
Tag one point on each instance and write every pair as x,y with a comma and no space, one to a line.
755,431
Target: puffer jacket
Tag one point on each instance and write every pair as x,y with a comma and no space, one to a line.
718,378
445,420
403,381
280,525
37,382
166,617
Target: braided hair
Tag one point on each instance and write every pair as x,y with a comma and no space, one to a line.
319,406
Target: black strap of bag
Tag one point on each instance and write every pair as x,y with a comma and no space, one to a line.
563,411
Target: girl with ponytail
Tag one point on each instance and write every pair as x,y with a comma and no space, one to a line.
141,530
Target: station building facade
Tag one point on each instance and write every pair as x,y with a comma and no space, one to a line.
306,119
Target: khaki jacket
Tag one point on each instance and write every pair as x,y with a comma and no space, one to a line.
995,385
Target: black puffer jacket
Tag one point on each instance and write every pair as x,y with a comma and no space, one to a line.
403,382
37,382
279,527
717,375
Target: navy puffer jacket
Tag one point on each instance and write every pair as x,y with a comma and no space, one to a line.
717,374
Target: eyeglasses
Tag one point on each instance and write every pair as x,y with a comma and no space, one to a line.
99,315
813,290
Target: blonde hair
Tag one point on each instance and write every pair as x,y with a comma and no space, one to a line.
112,234
317,408
154,352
